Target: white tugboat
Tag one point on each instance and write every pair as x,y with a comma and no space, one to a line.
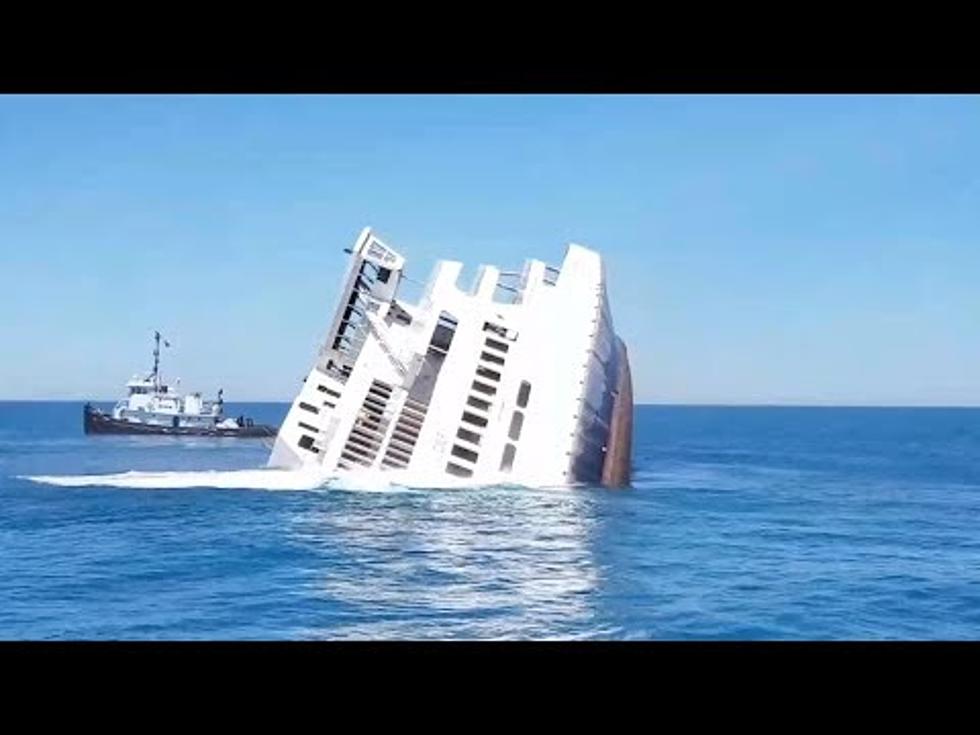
519,379
151,407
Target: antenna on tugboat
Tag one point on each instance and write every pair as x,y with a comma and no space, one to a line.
156,358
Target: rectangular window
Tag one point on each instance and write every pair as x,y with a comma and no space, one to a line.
523,394
488,374
472,418
442,335
478,403
309,428
484,388
491,358
516,422
494,344
495,328
308,407
325,389
454,469
471,436
468,454
306,442
507,460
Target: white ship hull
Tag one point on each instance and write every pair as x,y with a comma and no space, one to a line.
520,379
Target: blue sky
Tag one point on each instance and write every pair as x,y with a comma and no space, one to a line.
760,249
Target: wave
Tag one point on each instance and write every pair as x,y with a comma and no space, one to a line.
261,479
311,478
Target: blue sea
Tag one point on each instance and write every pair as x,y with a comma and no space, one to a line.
742,523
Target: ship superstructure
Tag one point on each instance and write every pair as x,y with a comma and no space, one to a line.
518,379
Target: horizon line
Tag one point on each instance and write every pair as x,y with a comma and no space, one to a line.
666,404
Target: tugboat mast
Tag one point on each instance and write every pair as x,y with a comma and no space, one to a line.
156,360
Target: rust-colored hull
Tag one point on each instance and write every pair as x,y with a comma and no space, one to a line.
616,468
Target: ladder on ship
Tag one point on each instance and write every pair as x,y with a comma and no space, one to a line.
405,435
368,432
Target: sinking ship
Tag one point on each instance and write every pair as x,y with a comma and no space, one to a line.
518,379
153,407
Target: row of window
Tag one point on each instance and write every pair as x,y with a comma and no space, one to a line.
484,387
485,381
305,440
516,424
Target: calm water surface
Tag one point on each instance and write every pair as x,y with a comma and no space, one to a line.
745,523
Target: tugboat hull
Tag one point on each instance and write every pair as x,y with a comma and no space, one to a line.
97,422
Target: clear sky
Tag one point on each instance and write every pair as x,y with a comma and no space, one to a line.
760,249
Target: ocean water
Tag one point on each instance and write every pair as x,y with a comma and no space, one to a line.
742,523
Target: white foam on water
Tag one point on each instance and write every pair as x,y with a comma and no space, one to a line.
306,478
259,479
